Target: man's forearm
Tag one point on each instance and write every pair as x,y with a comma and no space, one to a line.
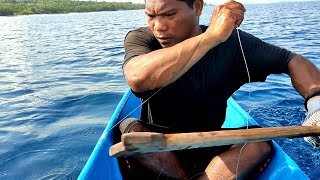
164,66
305,76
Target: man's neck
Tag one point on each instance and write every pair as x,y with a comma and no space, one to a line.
198,31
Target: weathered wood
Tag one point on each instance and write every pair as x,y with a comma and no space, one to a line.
146,142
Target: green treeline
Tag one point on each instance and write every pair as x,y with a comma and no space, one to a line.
16,7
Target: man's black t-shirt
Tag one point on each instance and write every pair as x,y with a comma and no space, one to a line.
197,101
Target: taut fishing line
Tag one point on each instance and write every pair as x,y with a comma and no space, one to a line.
249,81
134,109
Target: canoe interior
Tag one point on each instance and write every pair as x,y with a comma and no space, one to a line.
101,166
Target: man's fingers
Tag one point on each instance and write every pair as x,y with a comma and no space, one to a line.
225,19
238,23
234,10
234,13
219,7
233,5
239,16
238,12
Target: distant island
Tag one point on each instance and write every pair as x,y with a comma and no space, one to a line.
18,7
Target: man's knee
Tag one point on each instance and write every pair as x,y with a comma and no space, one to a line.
267,146
264,148
260,151
132,125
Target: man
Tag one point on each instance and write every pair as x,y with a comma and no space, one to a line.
186,72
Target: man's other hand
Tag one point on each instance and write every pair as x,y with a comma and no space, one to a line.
312,119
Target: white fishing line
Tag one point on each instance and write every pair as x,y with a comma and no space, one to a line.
134,110
249,110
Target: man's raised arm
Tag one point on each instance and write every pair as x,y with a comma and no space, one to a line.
164,66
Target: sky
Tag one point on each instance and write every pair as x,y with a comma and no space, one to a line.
218,1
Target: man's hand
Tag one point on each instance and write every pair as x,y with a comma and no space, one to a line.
312,119
225,18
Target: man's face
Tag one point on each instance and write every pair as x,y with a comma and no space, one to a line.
172,21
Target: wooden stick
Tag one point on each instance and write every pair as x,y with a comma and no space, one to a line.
147,142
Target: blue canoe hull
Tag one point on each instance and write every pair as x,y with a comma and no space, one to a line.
101,166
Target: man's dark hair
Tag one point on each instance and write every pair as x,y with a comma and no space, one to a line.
189,2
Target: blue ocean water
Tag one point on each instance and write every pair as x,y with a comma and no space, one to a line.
61,79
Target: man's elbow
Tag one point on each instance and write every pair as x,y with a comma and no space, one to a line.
299,63
137,81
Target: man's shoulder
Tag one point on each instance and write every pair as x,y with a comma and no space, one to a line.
142,37
142,31
243,35
246,39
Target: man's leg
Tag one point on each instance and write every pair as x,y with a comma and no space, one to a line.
224,166
165,164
